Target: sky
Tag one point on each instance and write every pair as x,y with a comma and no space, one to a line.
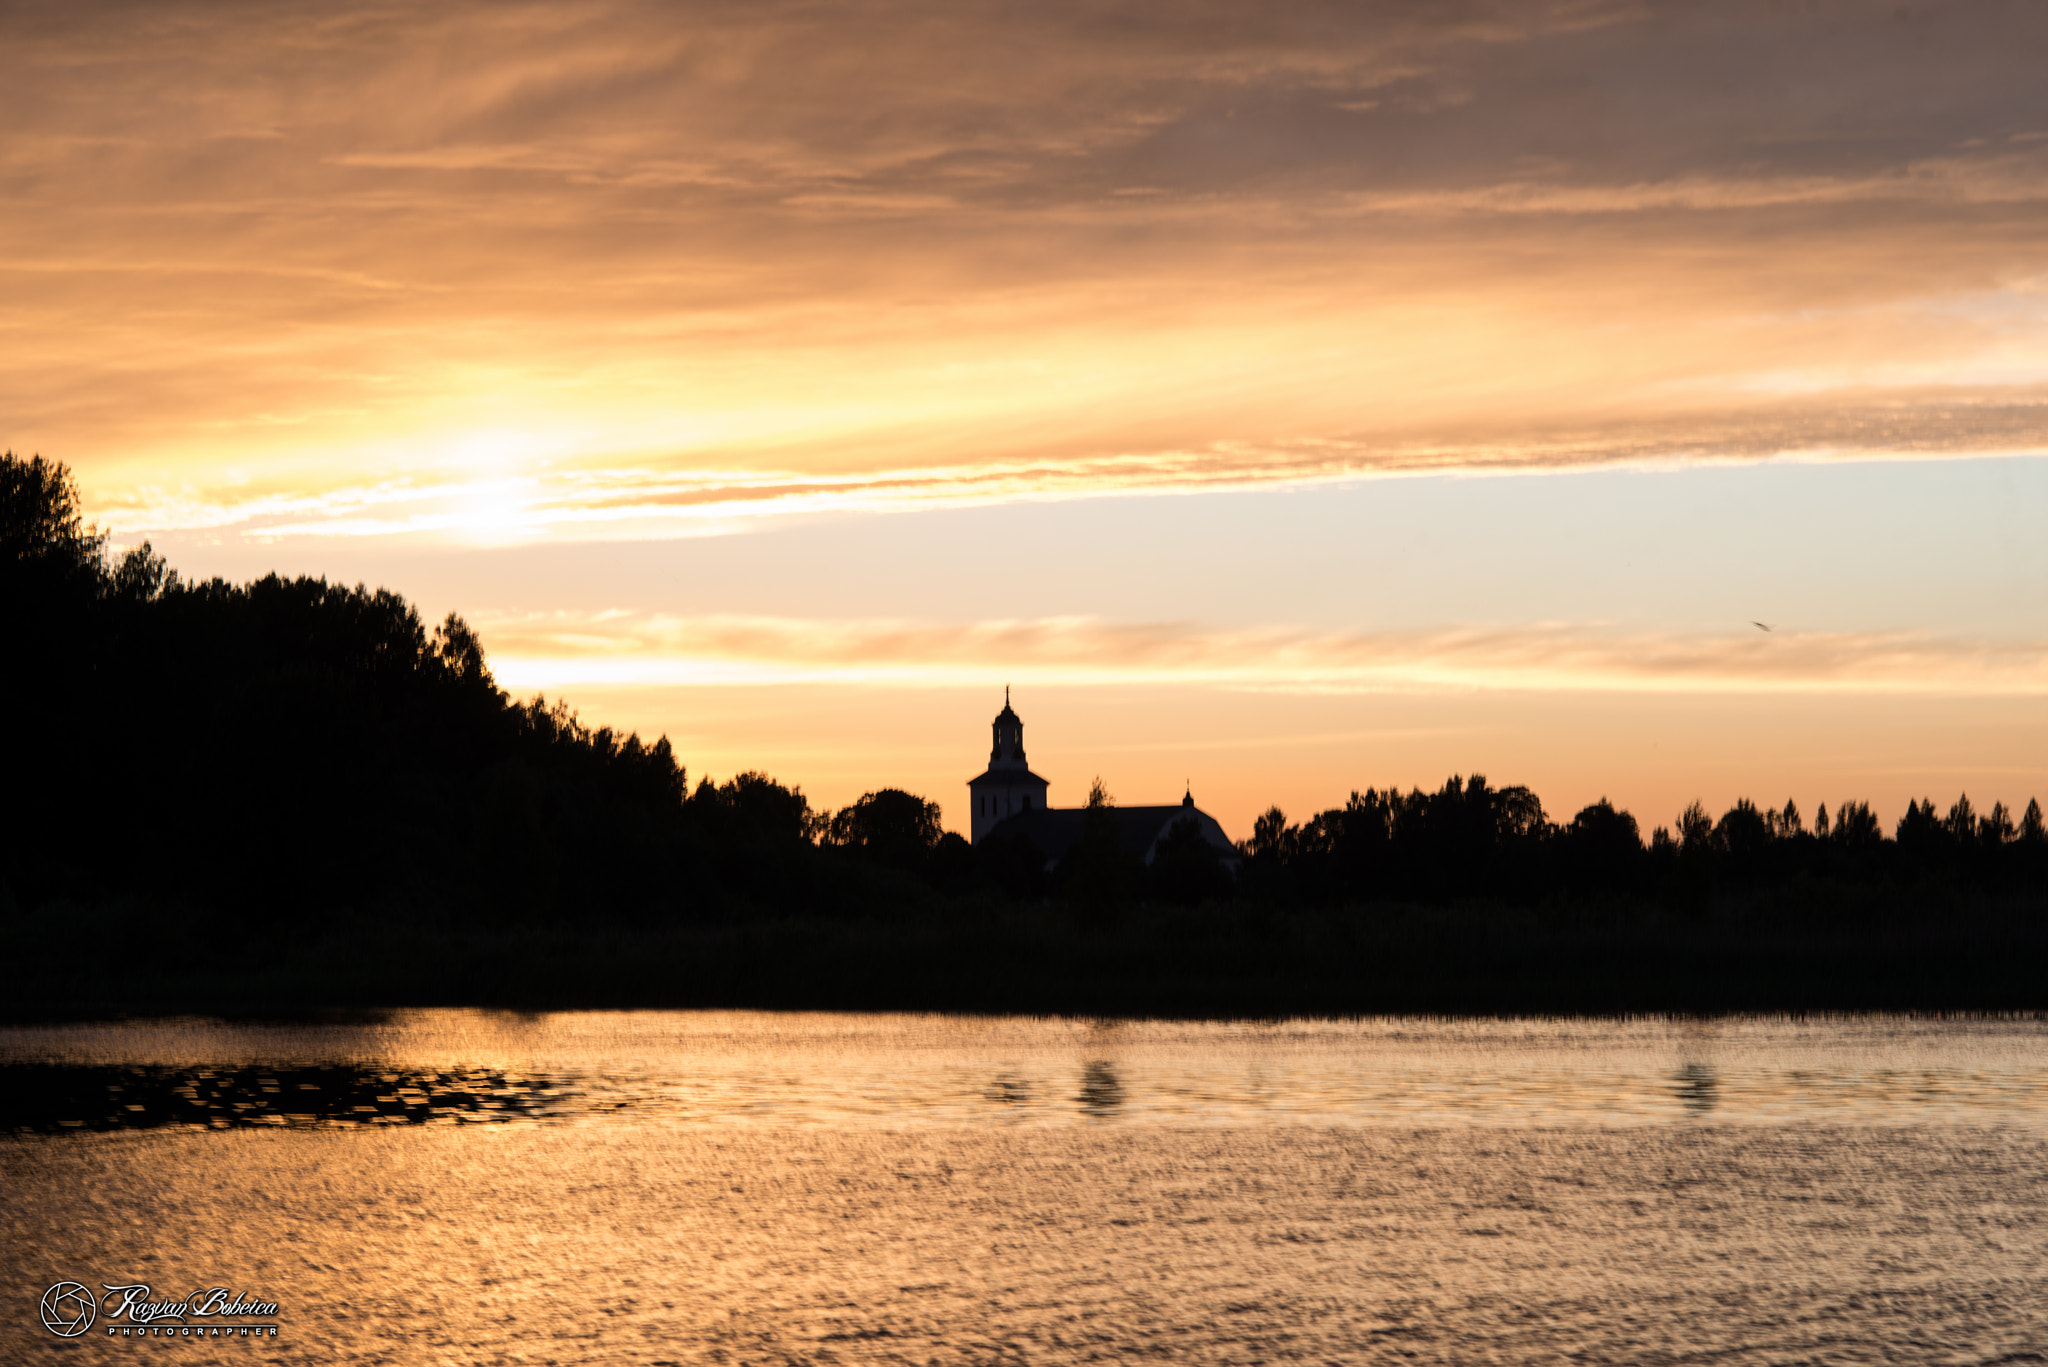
1280,399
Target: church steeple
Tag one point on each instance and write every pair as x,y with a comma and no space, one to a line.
1009,738
1007,787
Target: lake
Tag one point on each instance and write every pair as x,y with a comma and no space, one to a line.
735,1187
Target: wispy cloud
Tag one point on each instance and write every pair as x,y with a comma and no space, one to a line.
365,288
264,268
551,651
540,499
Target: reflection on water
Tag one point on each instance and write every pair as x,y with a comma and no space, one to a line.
1698,1088
46,1098
663,1188
1009,1090
1101,1093
740,1068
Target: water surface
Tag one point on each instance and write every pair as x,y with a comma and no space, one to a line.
742,1187
753,1068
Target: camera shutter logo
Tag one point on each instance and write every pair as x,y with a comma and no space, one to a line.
68,1309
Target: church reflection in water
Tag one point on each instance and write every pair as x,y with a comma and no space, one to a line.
1698,1087
1102,1092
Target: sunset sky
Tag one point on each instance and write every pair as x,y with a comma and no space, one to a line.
1280,398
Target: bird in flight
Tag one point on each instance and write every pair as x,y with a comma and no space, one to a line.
1765,626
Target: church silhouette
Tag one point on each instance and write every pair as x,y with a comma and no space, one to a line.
1008,800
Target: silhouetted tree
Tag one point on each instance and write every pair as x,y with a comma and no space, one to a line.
1785,823
42,528
1269,857
1099,873
754,807
1696,831
1856,827
1013,865
890,827
1743,833
1961,824
953,868
323,748
1923,838
1186,869
1600,850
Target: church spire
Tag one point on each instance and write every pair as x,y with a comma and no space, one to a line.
1008,752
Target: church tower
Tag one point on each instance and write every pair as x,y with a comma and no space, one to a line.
1007,786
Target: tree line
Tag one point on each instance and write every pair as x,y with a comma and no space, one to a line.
1470,840
288,749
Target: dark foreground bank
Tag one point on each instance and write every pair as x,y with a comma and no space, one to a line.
1216,961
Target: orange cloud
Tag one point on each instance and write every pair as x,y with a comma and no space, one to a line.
552,651
521,499
284,272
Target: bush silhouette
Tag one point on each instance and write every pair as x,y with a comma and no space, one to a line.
890,827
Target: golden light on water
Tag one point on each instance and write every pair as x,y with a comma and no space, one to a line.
661,1186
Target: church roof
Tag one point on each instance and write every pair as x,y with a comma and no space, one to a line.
1007,777
1054,830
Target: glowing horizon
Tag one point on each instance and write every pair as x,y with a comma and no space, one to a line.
503,304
